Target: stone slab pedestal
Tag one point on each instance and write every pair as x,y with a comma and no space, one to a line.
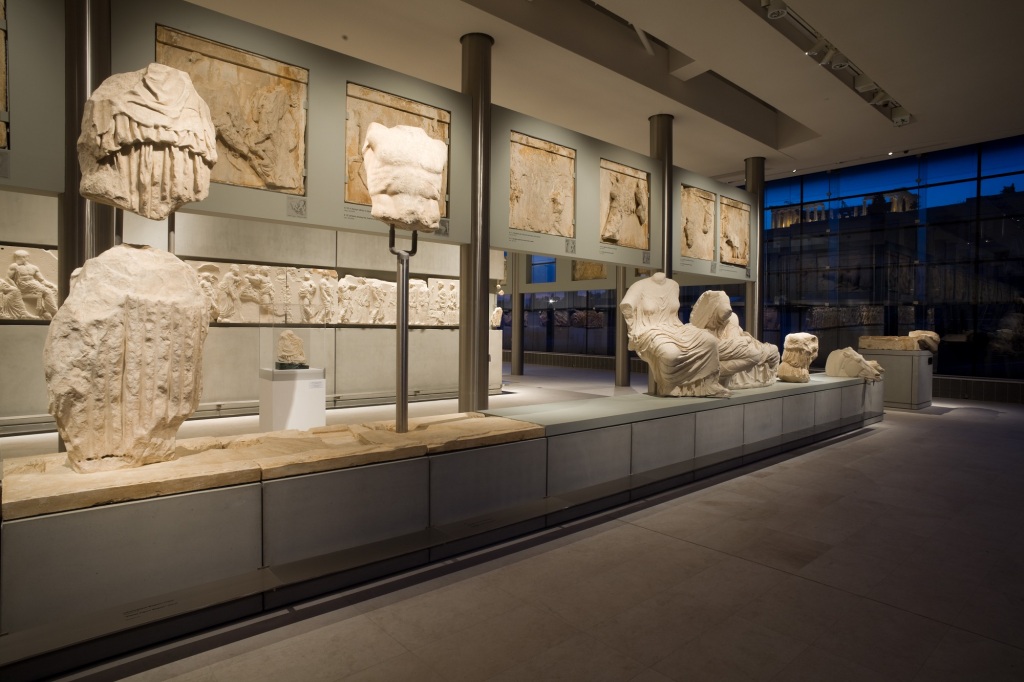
908,377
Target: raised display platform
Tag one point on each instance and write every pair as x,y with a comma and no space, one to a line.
304,519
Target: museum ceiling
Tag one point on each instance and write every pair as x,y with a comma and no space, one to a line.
738,84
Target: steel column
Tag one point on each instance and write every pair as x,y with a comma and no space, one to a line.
754,168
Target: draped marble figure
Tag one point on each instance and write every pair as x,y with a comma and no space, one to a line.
682,358
403,175
746,362
147,143
124,356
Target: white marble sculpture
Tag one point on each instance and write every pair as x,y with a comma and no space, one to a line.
403,175
745,361
496,317
846,362
625,194
123,358
32,286
291,352
798,353
542,186
147,143
682,358
419,302
926,340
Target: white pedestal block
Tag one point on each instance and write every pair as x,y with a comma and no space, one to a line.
908,377
292,399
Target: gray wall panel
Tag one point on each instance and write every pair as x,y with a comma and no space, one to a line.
21,366
719,429
213,237
74,563
797,413
483,480
662,442
306,516
827,406
365,361
579,460
28,219
231,365
762,421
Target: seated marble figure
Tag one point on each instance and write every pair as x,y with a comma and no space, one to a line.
746,362
682,358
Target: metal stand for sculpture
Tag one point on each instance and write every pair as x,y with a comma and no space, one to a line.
402,332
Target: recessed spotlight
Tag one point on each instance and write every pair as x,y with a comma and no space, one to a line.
890,153
775,9
816,48
794,170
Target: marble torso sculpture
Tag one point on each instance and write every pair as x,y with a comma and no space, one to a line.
846,362
745,361
291,353
798,353
403,175
147,143
123,358
682,358
496,317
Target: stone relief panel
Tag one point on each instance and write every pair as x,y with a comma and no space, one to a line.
365,106
583,270
542,195
267,294
625,204
28,283
258,106
698,221
734,247
444,302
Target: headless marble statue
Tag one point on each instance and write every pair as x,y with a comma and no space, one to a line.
746,362
682,358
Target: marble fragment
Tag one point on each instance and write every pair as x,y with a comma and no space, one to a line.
846,362
291,352
542,192
625,202
123,358
698,219
683,358
927,340
404,166
147,143
745,361
887,343
798,352
734,241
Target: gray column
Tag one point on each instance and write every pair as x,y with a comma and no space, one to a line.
755,291
86,229
514,284
622,373
475,256
661,149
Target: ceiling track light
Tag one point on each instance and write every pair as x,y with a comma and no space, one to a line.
881,99
839,62
829,53
775,9
816,48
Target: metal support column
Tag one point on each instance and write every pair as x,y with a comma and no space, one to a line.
622,374
475,257
514,283
754,167
661,149
402,332
86,228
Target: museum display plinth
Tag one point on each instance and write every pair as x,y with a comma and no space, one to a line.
292,398
240,525
908,376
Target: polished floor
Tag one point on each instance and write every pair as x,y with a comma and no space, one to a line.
896,553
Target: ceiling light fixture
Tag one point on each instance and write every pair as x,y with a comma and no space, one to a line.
863,83
839,61
881,99
829,53
816,48
775,9
900,116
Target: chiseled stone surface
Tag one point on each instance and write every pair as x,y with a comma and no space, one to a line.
846,362
123,358
404,169
745,361
799,351
542,191
46,484
887,343
147,143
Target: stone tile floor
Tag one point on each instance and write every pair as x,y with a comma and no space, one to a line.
896,553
